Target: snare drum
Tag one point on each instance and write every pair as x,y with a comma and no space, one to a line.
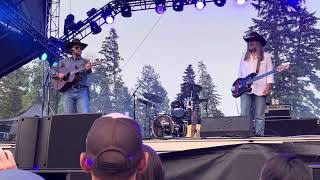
177,108
162,126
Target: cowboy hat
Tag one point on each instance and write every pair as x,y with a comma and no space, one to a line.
69,44
257,36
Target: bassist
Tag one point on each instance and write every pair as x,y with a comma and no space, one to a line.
257,61
76,97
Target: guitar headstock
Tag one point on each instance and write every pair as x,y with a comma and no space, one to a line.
283,67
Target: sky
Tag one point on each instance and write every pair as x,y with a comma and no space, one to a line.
212,35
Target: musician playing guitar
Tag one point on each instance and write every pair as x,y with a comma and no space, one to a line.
75,90
255,60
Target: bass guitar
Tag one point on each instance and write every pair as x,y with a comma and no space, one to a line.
242,85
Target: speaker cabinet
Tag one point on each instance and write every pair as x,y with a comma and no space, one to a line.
61,139
292,127
26,141
226,126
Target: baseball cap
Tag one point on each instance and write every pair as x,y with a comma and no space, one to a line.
114,144
16,174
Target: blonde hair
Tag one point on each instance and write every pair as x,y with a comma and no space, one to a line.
259,50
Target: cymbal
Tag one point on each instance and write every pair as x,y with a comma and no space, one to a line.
153,98
191,87
145,102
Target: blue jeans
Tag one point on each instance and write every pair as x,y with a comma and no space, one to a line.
76,101
254,106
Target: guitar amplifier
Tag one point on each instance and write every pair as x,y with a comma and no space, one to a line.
279,111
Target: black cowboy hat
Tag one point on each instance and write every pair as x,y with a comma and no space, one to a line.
69,44
255,35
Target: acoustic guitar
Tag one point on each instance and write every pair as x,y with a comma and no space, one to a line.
242,85
70,74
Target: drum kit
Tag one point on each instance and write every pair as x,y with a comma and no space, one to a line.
182,110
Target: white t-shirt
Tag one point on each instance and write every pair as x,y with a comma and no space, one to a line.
250,66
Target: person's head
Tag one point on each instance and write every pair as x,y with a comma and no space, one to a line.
155,169
75,47
255,44
114,149
285,167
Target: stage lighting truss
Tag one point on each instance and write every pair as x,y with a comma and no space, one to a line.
126,7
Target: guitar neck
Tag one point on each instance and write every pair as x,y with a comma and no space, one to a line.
261,76
82,68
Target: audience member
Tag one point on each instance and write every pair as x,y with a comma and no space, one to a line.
114,149
9,171
155,169
285,167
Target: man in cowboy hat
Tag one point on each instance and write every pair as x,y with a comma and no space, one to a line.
255,60
76,97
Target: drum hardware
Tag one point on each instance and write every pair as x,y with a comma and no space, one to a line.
153,98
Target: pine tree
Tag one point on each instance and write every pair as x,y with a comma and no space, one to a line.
12,88
293,37
208,92
188,77
149,83
109,93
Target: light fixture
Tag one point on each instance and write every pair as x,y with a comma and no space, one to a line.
126,10
178,5
107,15
219,3
241,2
95,28
200,4
160,6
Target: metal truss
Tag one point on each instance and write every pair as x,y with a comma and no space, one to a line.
136,5
53,7
17,21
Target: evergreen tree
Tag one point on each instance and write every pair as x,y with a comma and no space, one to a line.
188,77
149,83
208,92
12,88
109,93
292,36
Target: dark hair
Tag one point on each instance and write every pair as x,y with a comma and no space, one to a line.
285,167
155,170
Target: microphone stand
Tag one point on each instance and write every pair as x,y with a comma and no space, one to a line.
134,100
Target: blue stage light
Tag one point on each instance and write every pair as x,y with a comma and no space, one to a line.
44,57
293,2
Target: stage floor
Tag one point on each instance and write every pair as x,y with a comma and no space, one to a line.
182,144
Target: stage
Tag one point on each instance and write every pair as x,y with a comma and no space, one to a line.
216,158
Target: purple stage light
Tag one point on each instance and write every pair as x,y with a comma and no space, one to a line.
241,2
161,8
200,4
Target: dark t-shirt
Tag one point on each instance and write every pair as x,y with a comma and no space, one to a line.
82,76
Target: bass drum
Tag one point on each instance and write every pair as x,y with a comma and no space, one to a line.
162,126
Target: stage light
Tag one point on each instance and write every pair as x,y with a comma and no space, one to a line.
68,24
44,57
200,4
95,28
160,6
241,2
107,15
219,3
178,5
126,10
92,12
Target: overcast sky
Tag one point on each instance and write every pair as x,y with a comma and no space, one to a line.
213,35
